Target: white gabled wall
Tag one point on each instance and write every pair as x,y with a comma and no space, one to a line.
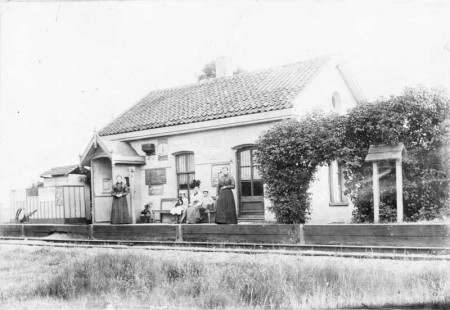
210,147
319,91
318,94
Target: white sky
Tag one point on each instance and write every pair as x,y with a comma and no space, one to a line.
68,68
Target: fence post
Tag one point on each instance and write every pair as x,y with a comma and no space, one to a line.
91,231
302,234
179,233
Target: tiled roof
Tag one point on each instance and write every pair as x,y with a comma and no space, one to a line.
245,93
65,170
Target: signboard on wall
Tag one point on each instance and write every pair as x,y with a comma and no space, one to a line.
162,149
106,185
155,190
155,176
215,171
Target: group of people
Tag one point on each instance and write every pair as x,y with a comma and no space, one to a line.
192,211
195,211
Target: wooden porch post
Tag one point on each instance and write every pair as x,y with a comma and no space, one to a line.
399,188
376,194
132,194
92,193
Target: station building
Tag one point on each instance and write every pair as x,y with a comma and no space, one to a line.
176,135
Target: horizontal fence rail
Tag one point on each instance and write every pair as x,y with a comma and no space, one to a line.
410,235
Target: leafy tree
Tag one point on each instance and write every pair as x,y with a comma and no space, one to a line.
209,71
37,184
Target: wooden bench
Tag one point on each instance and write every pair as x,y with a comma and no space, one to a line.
164,210
211,216
164,215
161,214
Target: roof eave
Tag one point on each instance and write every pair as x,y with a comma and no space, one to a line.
242,120
356,91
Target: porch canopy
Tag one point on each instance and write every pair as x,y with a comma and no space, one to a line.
117,151
385,152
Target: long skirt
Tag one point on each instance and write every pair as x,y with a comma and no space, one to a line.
226,208
194,214
119,211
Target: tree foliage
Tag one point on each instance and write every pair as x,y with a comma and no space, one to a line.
290,153
209,71
419,118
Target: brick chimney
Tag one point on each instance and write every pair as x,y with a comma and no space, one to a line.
224,66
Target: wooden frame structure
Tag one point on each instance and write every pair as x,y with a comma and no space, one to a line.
379,153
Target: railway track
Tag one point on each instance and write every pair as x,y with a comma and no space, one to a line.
378,252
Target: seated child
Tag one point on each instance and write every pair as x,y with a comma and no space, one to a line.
179,207
146,214
209,205
207,201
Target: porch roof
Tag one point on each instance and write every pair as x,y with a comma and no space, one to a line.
61,171
119,152
384,152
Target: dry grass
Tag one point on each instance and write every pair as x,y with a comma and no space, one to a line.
131,279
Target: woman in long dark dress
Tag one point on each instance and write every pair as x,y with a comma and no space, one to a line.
226,208
119,210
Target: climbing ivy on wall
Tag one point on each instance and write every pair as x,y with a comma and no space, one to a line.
290,153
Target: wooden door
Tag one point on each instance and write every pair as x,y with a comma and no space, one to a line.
250,185
102,189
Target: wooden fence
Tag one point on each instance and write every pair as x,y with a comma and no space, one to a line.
379,234
59,204
412,235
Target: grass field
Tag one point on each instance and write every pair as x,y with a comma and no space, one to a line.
56,278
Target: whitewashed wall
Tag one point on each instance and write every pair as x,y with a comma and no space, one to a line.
318,94
209,147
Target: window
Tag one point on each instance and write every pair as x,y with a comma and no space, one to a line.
336,182
251,182
336,102
185,172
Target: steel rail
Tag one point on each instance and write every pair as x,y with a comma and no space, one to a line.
377,252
